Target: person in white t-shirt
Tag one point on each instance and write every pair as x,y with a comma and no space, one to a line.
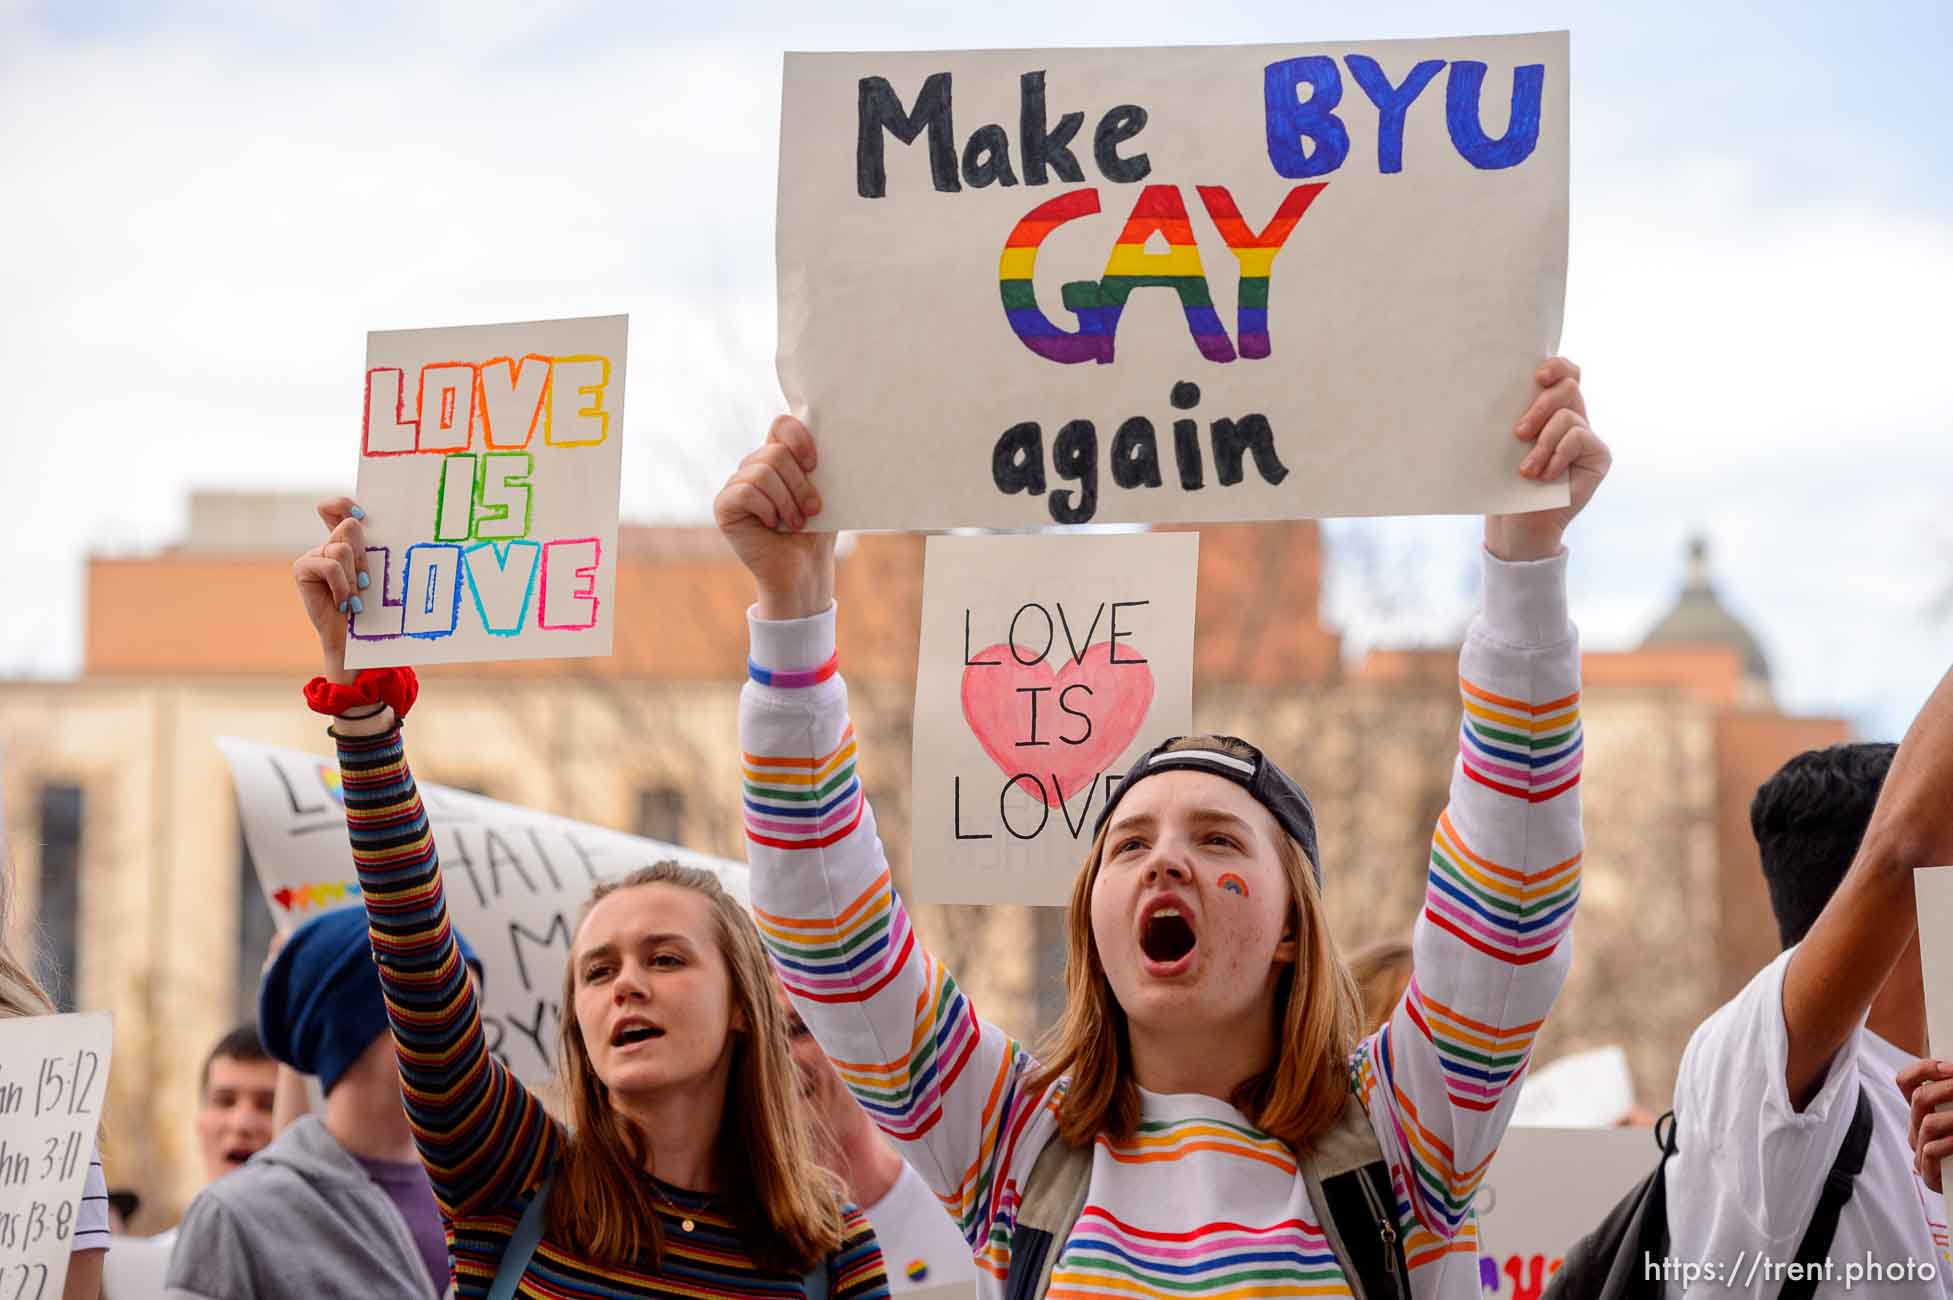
920,1243
1769,1084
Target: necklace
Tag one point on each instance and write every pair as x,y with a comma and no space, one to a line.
685,1220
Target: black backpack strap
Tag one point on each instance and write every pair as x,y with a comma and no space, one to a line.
1838,1185
1627,1274
1359,1201
1349,1184
1612,1261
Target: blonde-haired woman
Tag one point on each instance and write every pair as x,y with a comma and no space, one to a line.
1207,1076
22,995
686,1168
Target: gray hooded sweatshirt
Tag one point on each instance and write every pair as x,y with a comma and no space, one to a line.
301,1218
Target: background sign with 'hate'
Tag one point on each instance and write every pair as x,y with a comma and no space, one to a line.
1021,287
515,880
488,468
1048,663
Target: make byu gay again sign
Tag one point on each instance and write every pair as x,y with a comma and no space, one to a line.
488,468
1231,282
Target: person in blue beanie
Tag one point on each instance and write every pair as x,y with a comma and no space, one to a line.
339,1203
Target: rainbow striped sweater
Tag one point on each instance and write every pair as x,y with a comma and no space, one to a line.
1196,1202
485,1139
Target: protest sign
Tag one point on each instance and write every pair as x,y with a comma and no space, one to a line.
515,880
53,1075
1933,897
1546,1189
1199,283
1590,1089
1047,664
488,469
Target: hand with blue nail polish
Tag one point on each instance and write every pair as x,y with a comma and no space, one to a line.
330,576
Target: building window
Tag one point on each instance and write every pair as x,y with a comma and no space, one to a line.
661,813
254,931
59,897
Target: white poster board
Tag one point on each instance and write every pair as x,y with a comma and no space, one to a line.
1019,287
1590,1089
1546,1189
1933,896
1048,663
53,1076
490,458
515,880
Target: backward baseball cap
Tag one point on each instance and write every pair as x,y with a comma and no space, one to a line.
1271,787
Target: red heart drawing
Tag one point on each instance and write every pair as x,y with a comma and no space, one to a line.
284,899
997,705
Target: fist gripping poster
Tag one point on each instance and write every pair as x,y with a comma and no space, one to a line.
1048,663
1026,287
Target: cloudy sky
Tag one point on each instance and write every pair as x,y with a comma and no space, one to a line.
207,205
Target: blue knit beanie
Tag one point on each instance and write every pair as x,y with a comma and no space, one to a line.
320,1004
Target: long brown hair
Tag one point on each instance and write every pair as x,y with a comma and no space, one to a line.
1301,1093
788,1210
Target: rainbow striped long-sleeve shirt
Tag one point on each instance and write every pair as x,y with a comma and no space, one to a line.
486,1140
1197,1201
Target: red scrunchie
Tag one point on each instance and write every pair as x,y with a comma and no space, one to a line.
397,687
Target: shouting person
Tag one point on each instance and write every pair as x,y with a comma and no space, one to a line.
1182,1131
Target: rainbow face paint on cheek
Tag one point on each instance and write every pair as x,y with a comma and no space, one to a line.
1233,884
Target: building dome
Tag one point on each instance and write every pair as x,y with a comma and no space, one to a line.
1699,618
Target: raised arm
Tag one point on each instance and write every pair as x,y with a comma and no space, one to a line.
1857,940
484,1139
1491,947
941,1083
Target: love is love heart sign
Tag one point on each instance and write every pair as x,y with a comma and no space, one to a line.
1048,664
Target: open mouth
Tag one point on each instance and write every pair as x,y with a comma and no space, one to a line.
238,1155
635,1032
1166,937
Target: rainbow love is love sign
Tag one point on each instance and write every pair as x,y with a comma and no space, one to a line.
1047,665
1202,283
489,464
